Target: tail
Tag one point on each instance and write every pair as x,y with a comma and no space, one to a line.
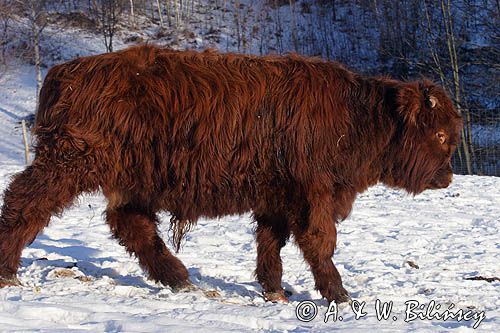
51,110
49,95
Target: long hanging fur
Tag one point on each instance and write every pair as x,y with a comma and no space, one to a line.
292,139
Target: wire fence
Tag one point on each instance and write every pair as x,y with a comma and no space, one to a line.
482,136
482,131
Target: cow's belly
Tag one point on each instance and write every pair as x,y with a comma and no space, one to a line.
191,203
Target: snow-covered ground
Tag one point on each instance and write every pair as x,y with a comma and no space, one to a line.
76,278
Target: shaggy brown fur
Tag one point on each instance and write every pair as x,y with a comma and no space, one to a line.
206,134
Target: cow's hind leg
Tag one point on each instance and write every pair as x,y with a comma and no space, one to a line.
135,227
33,196
272,234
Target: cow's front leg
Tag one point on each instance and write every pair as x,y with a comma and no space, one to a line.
317,239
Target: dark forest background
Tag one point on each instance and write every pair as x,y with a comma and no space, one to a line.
455,43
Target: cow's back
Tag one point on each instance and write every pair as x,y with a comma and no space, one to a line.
197,133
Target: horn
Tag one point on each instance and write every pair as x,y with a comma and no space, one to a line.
432,101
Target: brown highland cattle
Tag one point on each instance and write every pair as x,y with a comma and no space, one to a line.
292,139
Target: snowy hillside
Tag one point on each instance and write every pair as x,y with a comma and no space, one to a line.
394,248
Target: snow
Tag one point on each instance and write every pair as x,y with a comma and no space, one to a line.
77,278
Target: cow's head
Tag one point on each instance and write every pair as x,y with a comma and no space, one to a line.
427,136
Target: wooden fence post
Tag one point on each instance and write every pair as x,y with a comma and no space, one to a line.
25,139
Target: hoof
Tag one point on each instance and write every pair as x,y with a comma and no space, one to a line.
276,296
184,287
342,297
9,282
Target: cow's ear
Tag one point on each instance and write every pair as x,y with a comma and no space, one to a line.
409,102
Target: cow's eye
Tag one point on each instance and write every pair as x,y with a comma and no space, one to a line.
441,136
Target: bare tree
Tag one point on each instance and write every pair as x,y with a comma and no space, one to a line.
448,61
5,21
106,13
453,60
132,17
160,14
167,6
293,23
278,28
38,22
176,14
36,14
237,22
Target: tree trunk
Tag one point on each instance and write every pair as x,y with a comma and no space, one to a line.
158,6
450,42
36,45
294,26
176,13
237,22
167,5
132,18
